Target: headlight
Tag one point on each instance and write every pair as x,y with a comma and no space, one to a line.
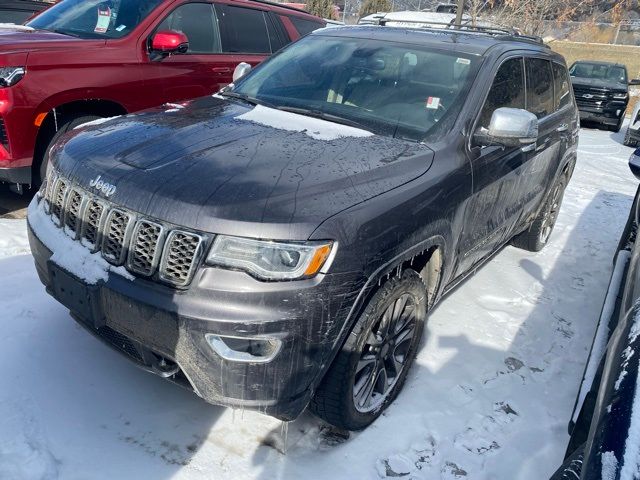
11,75
270,260
620,96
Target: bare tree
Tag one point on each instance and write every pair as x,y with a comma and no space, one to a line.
321,8
372,6
531,16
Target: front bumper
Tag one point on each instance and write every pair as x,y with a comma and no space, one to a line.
608,114
15,175
156,325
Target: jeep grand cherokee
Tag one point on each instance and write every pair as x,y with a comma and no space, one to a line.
279,244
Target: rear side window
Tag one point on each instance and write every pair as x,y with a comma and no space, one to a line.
507,90
245,30
304,26
562,86
540,99
199,23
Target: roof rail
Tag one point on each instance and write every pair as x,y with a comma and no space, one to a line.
498,32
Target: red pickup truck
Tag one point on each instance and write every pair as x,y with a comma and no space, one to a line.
84,59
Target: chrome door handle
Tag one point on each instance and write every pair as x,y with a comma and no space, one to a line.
563,128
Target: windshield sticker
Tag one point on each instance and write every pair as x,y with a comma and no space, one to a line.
104,17
119,28
433,103
463,61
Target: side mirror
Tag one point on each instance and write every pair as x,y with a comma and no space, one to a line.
634,82
241,70
167,42
511,127
634,163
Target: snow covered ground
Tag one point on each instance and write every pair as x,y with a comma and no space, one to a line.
488,397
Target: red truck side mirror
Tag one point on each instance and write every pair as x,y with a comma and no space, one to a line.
168,41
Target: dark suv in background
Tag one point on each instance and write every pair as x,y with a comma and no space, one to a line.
279,244
602,92
84,59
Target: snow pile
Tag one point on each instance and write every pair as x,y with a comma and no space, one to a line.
13,239
609,466
292,122
67,253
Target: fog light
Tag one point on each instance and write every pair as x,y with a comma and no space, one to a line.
244,349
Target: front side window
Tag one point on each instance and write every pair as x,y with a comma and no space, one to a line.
394,89
94,18
540,99
507,90
562,86
199,23
245,31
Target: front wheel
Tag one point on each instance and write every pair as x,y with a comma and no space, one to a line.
370,369
537,235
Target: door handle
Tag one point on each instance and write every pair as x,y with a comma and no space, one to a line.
221,70
563,128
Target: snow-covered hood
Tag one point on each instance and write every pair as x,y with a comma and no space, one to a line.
223,167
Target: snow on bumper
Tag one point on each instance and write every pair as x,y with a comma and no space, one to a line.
68,254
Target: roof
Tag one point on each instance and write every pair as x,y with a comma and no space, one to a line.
468,41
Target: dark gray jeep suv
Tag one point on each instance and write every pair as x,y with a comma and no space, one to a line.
280,244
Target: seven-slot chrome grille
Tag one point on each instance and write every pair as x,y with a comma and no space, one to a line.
122,237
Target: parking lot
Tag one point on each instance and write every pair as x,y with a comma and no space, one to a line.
489,396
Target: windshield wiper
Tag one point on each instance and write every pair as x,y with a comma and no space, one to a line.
309,112
63,32
246,98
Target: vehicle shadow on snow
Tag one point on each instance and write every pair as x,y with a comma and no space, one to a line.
486,410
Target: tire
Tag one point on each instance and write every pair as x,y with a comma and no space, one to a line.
354,392
69,123
537,235
572,466
628,141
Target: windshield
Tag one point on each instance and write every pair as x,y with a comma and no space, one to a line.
610,73
393,89
94,18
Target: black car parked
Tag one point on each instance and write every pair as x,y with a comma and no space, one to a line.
280,244
19,11
604,426
602,92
